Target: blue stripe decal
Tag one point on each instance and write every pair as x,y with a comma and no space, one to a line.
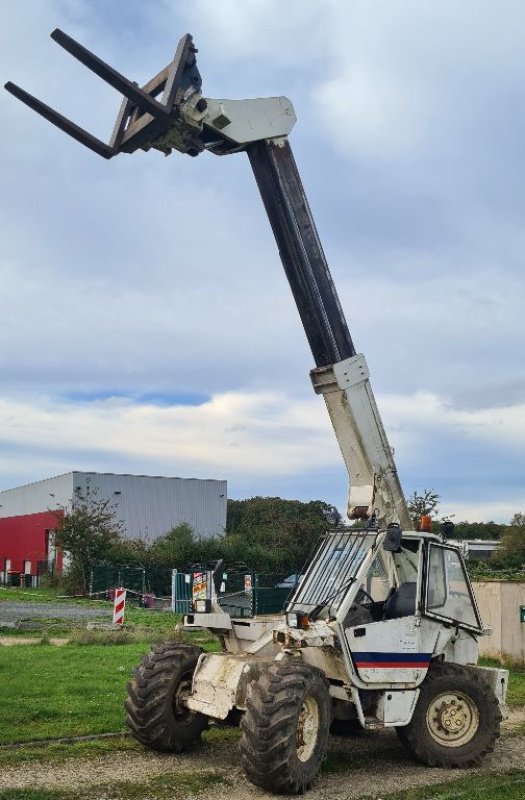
412,658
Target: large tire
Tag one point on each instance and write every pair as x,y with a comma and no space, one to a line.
155,714
285,728
456,720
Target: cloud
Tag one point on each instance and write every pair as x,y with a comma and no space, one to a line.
410,414
250,436
151,277
266,431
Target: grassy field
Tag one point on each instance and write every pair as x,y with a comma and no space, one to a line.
51,692
28,595
516,692
508,785
170,786
136,619
63,691
73,690
494,786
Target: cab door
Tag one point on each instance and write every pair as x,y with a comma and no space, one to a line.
391,646
389,651
448,595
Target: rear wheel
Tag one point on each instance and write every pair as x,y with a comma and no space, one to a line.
155,707
456,719
285,729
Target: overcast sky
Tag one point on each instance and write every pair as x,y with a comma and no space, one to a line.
147,325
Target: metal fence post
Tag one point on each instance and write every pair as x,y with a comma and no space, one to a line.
173,588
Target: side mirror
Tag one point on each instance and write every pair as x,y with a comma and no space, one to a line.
447,529
392,542
217,574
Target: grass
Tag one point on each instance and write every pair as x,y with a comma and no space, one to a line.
169,786
141,625
19,594
58,752
509,785
516,691
52,692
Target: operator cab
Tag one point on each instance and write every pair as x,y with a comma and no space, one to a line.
358,577
387,596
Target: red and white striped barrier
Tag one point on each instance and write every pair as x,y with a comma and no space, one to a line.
119,606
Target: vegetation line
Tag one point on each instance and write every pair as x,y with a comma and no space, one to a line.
65,740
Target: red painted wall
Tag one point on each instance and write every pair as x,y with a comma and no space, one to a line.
24,538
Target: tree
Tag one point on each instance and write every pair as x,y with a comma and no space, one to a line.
177,548
419,504
512,551
87,530
478,530
271,534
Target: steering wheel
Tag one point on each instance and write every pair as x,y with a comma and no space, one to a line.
363,593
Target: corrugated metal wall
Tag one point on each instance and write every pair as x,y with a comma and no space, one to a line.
35,498
148,506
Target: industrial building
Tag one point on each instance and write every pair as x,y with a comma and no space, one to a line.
147,506
478,549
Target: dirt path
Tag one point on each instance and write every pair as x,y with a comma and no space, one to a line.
12,611
371,764
11,641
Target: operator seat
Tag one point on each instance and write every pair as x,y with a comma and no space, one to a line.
402,603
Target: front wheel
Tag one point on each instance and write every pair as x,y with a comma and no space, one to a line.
456,719
285,729
155,707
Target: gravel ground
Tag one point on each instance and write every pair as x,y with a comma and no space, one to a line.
11,611
376,764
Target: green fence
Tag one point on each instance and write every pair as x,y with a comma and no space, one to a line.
181,597
239,593
272,591
137,580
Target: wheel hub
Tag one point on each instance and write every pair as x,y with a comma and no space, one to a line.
307,729
452,719
181,712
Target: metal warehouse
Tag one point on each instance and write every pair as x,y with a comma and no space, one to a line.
148,507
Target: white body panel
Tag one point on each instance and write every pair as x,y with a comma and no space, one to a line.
374,483
392,651
396,708
220,683
251,120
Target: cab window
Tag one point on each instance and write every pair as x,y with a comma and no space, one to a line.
448,590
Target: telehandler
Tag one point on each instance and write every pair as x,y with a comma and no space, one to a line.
383,626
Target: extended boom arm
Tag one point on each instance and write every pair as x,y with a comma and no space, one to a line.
170,113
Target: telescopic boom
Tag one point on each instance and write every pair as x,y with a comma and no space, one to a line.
170,113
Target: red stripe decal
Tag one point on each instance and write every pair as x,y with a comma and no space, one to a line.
391,665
